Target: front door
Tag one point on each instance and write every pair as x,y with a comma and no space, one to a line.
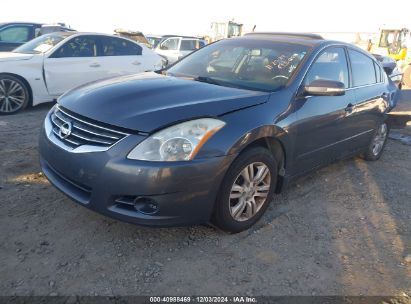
324,121
73,64
170,48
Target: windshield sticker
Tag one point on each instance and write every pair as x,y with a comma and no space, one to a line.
43,48
282,62
291,68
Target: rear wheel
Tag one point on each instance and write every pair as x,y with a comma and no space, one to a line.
378,142
246,190
14,95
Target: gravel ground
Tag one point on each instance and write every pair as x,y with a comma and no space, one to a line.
342,230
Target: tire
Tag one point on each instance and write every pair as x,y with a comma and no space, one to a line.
14,95
407,76
240,204
377,143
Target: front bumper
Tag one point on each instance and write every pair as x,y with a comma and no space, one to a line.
184,192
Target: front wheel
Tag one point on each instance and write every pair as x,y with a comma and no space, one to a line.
246,190
14,95
377,144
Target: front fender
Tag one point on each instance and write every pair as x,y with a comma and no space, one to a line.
247,126
262,132
31,71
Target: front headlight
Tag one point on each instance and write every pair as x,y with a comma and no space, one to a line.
177,143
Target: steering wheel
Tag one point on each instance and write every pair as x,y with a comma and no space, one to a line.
280,77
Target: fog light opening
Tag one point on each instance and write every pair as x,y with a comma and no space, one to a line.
145,205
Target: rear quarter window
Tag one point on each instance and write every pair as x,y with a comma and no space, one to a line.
378,72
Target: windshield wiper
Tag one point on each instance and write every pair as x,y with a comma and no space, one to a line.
207,80
227,84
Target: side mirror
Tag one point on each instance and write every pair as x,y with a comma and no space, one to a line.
321,87
389,67
388,70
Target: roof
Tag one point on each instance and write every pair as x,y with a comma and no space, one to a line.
179,36
17,22
307,39
288,34
67,34
64,33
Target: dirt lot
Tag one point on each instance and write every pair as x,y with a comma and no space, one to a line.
343,230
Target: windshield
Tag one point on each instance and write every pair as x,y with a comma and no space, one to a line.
248,64
40,45
390,37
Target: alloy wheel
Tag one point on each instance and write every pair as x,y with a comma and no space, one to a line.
12,95
379,139
249,191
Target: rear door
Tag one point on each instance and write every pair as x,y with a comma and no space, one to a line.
73,64
121,56
371,95
324,121
188,45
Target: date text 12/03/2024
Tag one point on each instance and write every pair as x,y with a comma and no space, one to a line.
203,299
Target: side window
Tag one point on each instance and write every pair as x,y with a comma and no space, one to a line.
170,44
188,45
81,46
362,66
15,34
119,47
330,65
201,43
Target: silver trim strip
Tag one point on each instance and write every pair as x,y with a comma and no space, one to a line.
363,86
89,139
94,133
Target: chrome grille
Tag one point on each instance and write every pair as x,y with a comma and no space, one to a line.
82,132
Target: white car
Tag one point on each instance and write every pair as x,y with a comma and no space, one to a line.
176,47
44,68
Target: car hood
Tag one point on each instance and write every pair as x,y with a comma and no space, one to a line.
149,101
10,56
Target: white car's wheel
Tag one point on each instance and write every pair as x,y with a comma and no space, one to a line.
14,95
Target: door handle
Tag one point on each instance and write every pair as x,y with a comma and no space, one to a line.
136,62
349,108
95,65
